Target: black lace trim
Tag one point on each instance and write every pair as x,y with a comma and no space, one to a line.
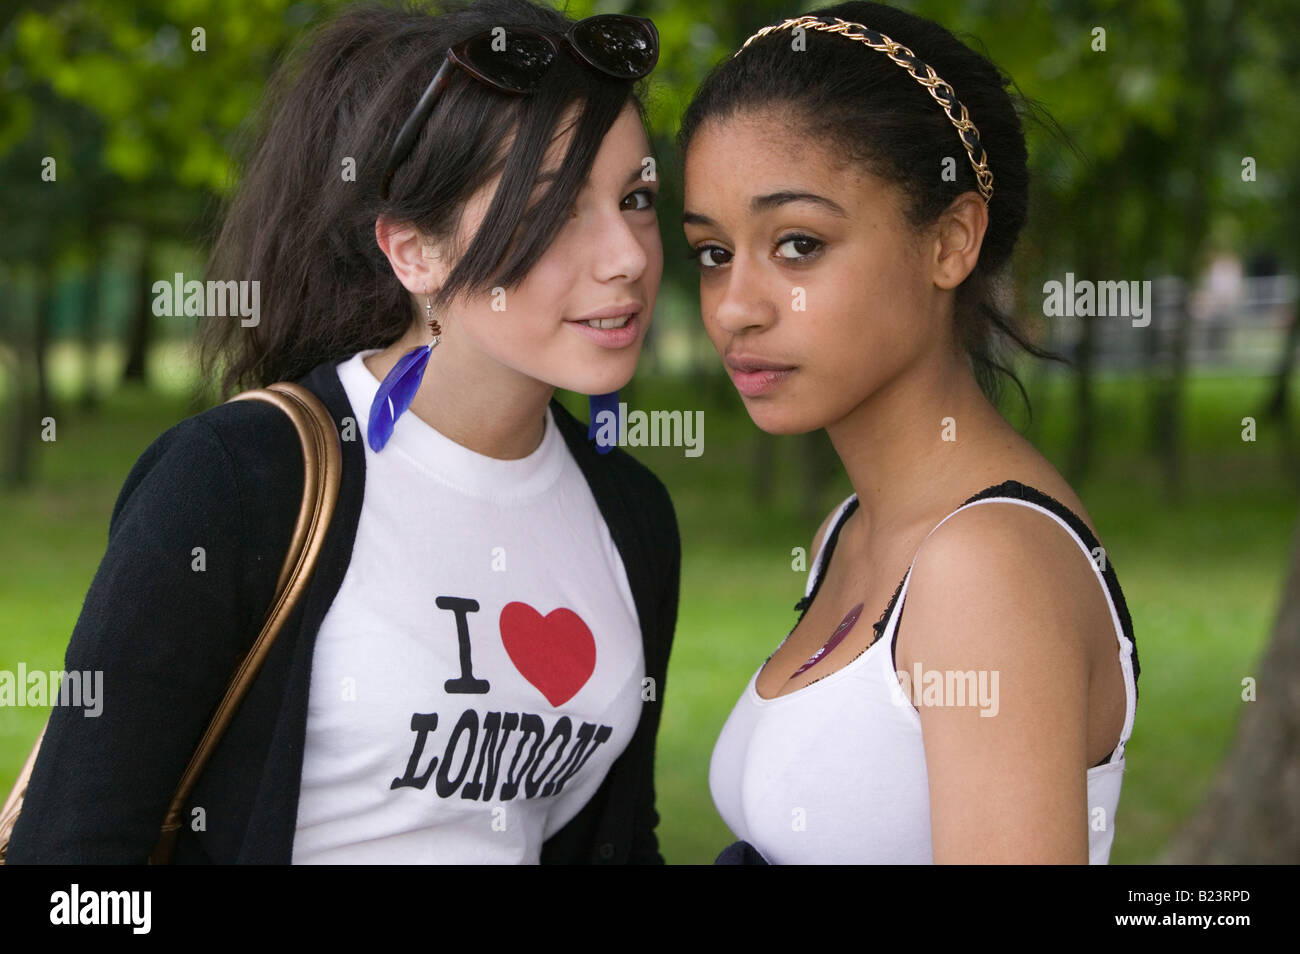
1013,488
1008,488
828,548
879,627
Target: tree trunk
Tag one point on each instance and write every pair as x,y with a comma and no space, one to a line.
140,332
1214,52
23,422
1252,812
819,465
762,459
1278,408
1173,385
1085,417
89,325
1084,406
44,320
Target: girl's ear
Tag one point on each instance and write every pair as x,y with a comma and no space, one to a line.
420,264
959,236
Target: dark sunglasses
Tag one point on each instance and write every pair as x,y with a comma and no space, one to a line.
623,47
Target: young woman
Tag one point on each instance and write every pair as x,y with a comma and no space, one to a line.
476,671
874,183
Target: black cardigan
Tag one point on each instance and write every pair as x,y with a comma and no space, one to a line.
169,636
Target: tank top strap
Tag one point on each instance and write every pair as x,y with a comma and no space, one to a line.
842,513
1023,495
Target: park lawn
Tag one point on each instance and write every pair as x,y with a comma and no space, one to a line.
1202,579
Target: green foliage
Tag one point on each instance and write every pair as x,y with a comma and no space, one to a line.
165,110
169,81
1201,582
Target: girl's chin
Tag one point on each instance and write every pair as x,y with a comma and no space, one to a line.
579,373
611,379
783,430
772,419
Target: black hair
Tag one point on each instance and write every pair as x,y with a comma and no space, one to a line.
861,101
305,230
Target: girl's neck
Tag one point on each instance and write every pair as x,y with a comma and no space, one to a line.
920,443
472,400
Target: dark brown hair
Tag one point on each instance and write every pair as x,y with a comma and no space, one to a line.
305,231
866,105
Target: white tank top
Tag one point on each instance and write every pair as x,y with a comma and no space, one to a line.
834,772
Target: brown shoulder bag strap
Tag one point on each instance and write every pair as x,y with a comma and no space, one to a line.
323,465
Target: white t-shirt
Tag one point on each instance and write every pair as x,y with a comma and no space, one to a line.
834,772
480,668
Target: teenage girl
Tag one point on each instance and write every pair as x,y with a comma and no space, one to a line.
854,181
449,212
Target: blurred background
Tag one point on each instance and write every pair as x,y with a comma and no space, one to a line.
116,138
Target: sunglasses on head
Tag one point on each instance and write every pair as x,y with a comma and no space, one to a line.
515,60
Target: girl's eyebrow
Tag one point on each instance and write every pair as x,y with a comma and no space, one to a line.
635,174
548,176
695,218
764,203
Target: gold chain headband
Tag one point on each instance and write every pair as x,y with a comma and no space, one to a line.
943,93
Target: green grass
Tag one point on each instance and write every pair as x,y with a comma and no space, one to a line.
1203,579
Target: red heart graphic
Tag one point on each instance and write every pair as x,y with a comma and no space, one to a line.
555,652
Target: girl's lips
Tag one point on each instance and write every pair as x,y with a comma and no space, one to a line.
611,337
761,381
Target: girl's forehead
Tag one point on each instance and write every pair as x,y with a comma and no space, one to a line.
762,141
743,159
748,181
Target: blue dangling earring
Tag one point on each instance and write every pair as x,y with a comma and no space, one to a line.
600,403
397,390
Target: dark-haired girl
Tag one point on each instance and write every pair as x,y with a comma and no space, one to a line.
854,181
476,670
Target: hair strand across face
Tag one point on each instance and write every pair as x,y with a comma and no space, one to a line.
305,230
